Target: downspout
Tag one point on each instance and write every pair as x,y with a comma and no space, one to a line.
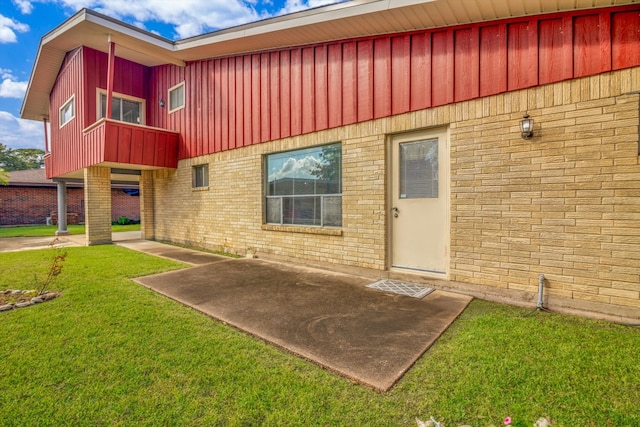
540,305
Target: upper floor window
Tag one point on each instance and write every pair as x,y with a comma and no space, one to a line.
176,97
304,187
68,111
123,108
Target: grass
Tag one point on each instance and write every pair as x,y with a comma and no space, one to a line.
50,230
110,352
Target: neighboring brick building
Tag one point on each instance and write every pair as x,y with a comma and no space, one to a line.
382,137
30,198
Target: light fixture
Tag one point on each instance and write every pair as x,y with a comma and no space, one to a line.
162,103
526,127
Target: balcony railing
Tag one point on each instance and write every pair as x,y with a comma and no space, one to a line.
120,142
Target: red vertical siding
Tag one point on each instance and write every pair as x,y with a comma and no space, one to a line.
586,47
522,55
467,64
274,98
349,83
493,59
442,68
321,88
625,41
285,94
265,98
420,70
365,80
246,111
308,90
382,77
296,92
334,85
242,100
400,74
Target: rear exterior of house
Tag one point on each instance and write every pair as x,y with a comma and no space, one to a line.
377,137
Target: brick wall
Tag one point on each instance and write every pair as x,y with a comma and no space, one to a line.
565,203
32,205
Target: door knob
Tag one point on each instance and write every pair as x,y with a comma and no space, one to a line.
395,211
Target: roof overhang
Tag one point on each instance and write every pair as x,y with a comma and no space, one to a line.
358,18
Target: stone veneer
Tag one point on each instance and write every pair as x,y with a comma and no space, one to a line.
565,203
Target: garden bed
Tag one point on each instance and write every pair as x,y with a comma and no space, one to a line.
15,298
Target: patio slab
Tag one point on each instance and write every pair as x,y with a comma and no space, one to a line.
369,336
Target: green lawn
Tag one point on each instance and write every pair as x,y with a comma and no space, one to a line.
50,230
110,352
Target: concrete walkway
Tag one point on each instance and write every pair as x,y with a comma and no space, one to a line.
369,336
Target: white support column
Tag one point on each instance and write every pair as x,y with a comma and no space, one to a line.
62,209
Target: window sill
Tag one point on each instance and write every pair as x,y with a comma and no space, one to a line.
199,188
303,229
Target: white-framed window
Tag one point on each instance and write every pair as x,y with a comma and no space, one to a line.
304,187
124,108
201,176
68,111
176,97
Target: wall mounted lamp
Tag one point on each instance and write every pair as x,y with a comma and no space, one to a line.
526,127
162,104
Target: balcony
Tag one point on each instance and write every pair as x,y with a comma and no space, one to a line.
131,144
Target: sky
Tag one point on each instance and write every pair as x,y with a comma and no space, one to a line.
24,22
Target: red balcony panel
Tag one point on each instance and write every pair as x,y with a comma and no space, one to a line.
131,144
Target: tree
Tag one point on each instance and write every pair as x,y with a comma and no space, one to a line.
20,158
4,177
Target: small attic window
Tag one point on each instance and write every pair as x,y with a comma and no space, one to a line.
68,111
176,97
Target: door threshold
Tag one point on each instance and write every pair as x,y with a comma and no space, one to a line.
419,272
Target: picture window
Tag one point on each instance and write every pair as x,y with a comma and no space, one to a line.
304,187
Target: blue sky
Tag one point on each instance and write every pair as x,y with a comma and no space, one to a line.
24,22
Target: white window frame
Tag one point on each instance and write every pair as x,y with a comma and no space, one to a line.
279,199
70,102
173,109
205,175
143,106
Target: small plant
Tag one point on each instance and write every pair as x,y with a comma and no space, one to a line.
123,220
55,268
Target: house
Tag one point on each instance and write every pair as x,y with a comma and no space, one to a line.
30,198
472,145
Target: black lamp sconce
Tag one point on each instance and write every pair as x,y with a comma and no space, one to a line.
162,104
526,127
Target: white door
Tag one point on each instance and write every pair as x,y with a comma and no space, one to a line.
420,202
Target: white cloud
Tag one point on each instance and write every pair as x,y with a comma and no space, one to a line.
298,5
189,17
20,133
9,87
25,6
8,29
296,168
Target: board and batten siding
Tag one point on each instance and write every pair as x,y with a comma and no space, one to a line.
247,99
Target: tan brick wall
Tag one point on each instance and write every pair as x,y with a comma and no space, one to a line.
147,223
97,198
565,203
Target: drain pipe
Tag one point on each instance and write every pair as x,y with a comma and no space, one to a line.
540,306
